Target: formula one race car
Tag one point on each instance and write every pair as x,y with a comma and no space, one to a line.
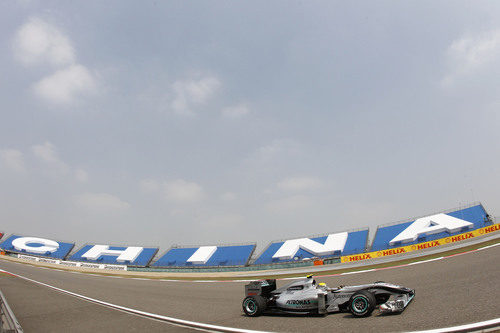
306,297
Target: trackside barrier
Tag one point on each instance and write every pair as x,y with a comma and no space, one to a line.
8,321
305,263
73,263
422,246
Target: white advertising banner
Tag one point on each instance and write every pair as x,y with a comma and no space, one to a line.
73,263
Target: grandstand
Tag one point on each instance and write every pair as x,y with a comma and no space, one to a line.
233,255
440,228
475,214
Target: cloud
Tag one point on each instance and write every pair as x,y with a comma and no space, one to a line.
226,221
65,86
470,54
290,205
279,146
38,42
13,159
236,111
228,196
47,153
101,202
276,150
193,92
149,186
181,191
81,175
296,184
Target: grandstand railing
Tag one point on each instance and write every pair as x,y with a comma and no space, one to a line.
285,265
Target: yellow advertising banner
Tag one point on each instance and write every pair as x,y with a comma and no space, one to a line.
421,246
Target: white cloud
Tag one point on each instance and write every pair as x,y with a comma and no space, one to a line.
470,54
181,191
149,185
279,146
193,92
300,184
65,86
38,42
47,153
228,196
227,221
236,111
290,205
277,150
13,159
81,175
101,202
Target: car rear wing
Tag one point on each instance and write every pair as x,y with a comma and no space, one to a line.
260,288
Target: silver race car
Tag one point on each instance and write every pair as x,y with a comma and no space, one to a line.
306,297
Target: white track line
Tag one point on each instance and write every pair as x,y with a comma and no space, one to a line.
357,272
466,328
170,320
424,261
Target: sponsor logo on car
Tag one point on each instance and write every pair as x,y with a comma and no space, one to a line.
298,302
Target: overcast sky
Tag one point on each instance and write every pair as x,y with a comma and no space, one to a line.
209,122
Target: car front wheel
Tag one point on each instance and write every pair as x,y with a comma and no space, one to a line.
362,303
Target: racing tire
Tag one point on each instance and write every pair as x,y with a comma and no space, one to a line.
362,303
254,306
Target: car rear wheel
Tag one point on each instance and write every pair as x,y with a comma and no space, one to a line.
253,306
362,303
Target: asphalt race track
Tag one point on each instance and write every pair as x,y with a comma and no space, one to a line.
459,290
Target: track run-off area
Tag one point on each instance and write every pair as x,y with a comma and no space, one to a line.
457,290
